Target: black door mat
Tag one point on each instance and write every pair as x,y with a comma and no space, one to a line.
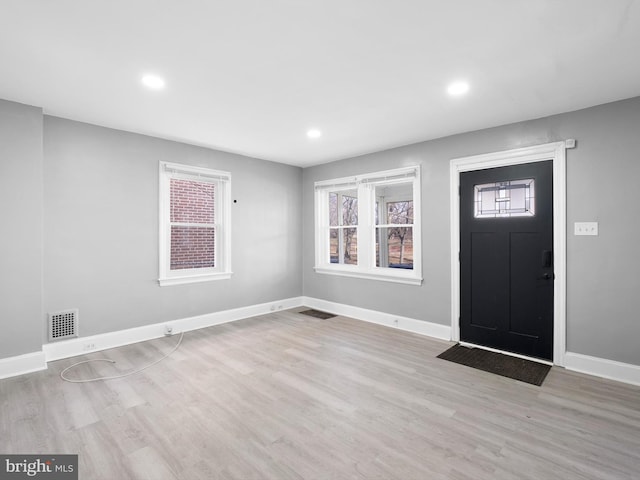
317,314
498,363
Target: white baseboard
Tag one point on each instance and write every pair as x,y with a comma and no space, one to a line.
84,345
32,362
435,330
21,364
601,367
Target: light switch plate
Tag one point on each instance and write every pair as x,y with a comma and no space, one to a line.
585,228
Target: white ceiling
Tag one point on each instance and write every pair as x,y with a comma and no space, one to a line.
252,76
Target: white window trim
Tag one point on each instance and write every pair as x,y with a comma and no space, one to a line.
223,271
366,227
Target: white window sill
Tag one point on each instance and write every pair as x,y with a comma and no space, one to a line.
165,282
380,274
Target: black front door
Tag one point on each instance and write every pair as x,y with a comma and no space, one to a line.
506,258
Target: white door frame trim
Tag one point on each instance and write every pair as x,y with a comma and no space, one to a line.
537,153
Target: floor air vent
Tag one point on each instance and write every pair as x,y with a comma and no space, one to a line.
63,325
318,314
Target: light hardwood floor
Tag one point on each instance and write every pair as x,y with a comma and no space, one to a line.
286,396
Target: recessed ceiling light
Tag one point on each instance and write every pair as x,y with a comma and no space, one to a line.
314,133
458,88
153,82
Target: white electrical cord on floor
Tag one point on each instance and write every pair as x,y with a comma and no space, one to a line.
113,361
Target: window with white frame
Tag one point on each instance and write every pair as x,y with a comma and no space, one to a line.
369,226
194,224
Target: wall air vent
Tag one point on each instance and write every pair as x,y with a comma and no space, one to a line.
63,325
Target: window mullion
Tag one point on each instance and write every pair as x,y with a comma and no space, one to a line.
416,227
187,224
366,235
382,235
340,230
165,223
219,245
393,225
323,243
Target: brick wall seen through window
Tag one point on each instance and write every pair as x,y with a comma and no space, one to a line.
192,217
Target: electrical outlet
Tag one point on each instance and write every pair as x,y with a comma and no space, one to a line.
585,228
89,346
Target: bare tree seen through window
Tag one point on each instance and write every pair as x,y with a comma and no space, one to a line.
343,222
399,237
350,217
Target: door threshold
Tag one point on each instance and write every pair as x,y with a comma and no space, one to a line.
511,354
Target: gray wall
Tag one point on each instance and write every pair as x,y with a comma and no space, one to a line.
603,273
101,229
21,237
99,198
